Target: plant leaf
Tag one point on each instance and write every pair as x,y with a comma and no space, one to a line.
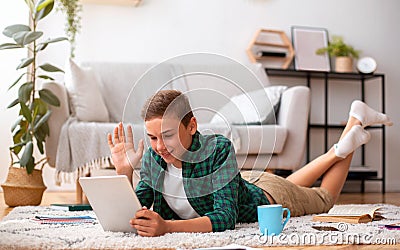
49,97
40,146
18,143
42,106
42,120
43,8
46,77
30,4
31,165
16,123
28,151
50,68
19,37
24,92
16,81
9,31
41,47
31,36
13,103
54,40
10,46
25,62
26,112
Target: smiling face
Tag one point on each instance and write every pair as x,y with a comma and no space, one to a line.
170,138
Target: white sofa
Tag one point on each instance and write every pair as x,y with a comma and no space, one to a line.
278,146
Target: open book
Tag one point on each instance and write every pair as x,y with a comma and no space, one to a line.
350,214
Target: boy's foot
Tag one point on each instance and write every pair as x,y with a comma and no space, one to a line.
356,137
368,116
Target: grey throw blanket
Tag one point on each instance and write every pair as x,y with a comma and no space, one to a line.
83,146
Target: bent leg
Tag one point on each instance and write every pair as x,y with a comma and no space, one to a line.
334,179
307,175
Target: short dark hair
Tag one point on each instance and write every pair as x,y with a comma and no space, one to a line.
168,102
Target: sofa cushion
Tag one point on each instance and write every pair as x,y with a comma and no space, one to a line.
84,90
261,139
252,107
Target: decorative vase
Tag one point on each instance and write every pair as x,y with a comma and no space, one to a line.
344,64
21,189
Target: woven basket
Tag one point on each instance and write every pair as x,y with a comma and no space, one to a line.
343,64
21,189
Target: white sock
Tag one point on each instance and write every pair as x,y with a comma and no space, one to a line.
368,116
356,137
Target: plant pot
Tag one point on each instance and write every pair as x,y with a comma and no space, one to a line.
21,189
344,64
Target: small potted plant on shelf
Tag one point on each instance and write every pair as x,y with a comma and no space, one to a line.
24,184
342,52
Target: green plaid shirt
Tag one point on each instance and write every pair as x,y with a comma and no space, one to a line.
211,180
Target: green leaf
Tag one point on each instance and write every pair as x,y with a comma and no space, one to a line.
16,123
35,112
54,40
50,68
40,146
31,165
30,4
42,120
25,91
49,97
43,8
41,105
10,46
25,62
18,143
19,37
26,112
26,136
27,155
13,103
31,36
46,77
12,29
16,81
41,47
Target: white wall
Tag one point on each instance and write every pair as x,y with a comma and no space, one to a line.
9,59
158,30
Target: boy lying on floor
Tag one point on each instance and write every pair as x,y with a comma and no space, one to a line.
193,181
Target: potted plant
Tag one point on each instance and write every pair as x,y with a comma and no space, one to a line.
24,184
342,52
72,10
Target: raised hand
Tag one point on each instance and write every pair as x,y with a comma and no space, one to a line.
123,152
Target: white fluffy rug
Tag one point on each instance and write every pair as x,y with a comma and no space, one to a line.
19,231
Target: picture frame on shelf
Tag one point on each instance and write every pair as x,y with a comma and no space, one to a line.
306,41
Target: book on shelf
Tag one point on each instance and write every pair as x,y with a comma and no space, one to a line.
271,53
350,214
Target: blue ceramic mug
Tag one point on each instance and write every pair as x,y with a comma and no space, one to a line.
270,219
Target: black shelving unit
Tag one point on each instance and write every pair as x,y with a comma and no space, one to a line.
363,173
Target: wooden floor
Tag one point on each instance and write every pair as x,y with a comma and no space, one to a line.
347,198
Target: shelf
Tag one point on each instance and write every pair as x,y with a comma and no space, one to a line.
363,173
321,74
271,41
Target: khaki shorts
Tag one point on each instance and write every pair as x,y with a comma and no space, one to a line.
299,200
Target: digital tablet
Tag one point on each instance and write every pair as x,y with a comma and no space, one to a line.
113,200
